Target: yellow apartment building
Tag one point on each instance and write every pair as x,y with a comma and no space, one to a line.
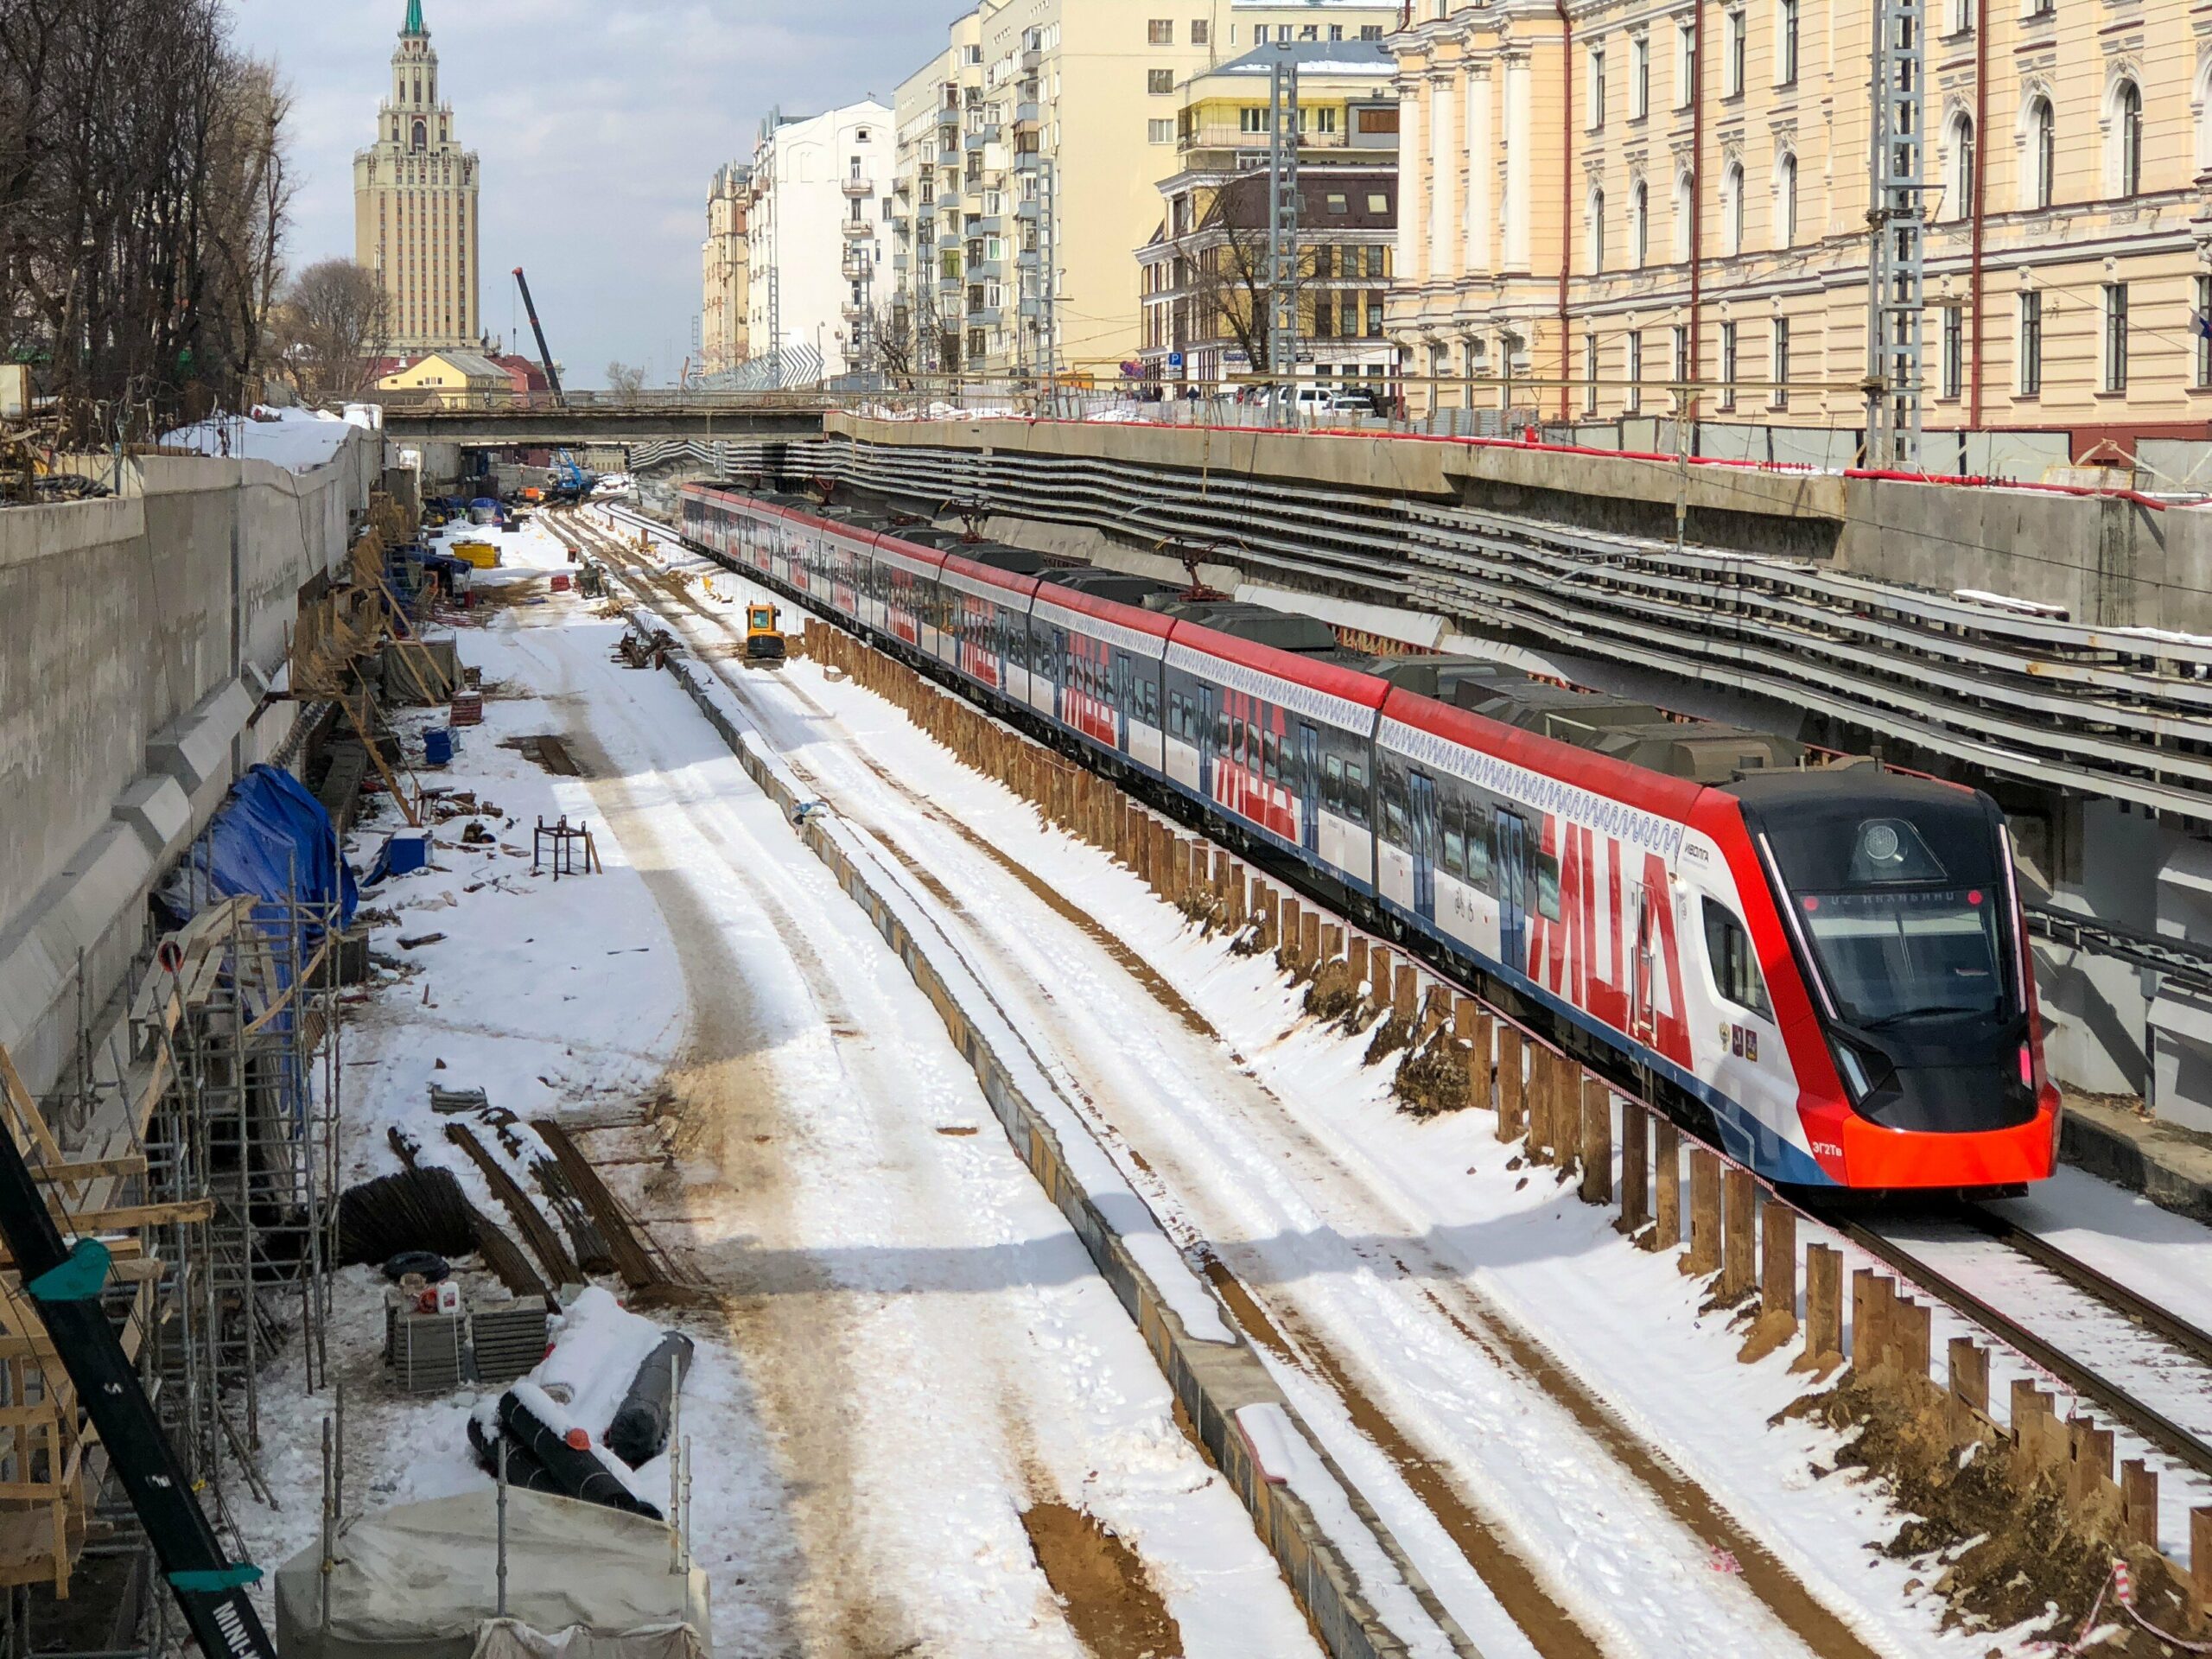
1203,276
1636,193
724,267
1028,161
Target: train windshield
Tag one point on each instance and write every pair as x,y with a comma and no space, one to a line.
1905,912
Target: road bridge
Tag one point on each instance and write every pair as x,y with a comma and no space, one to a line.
538,421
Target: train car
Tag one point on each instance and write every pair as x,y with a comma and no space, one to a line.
985,630
1825,970
1095,673
1277,746
902,598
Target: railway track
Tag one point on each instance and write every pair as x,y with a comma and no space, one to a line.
2138,1344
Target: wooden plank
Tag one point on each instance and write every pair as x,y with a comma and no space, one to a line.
29,1120
98,1166
536,1231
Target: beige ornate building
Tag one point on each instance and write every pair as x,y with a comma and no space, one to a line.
724,268
1635,193
415,205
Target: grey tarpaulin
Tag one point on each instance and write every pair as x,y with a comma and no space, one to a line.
421,1582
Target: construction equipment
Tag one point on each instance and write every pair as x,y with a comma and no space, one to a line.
569,481
66,1284
765,645
544,356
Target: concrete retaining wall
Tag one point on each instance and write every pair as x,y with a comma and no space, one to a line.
128,630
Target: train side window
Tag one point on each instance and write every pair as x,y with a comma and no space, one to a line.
1455,840
1175,712
1148,693
1356,792
1548,885
1237,741
1735,964
1393,817
1479,859
1270,756
1333,784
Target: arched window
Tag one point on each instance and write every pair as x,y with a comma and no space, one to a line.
1732,209
421,135
1685,208
1785,201
1597,230
1959,184
2127,137
2042,153
1639,224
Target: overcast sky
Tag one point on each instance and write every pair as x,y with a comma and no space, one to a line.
599,124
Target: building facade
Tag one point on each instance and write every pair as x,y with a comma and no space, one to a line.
1628,195
1030,155
725,265
415,194
816,245
1203,276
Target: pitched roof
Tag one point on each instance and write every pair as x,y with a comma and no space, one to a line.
414,24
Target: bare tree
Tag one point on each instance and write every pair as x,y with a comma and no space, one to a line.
1227,275
334,325
624,381
142,206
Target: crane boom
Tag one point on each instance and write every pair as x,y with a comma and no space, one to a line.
66,1284
552,374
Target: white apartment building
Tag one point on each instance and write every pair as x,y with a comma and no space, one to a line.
1029,158
816,249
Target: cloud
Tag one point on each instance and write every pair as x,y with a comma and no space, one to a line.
599,124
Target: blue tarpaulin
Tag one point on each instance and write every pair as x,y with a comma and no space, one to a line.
272,839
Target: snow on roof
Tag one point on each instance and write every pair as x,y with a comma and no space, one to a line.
300,439
1317,58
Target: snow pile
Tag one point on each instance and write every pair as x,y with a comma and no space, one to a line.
299,439
596,1354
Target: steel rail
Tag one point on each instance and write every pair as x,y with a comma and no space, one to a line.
2142,1418
2121,1299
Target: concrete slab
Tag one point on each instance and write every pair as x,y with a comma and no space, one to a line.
159,812
195,749
2121,1143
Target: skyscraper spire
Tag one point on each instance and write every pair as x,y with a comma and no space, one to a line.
414,25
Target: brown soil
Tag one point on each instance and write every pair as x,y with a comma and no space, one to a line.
1550,1627
1390,1036
1334,995
1103,1586
2001,1542
1433,1078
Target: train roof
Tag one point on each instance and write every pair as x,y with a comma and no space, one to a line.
1348,684
1014,583
1601,774
1860,784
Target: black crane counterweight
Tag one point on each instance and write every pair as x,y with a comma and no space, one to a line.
552,374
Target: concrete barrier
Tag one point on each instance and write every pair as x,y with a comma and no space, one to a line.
1211,1381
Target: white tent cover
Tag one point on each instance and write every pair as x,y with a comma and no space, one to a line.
422,1582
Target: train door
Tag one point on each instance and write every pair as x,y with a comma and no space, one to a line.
1643,1021
1509,865
1060,675
1424,827
1208,698
1309,790
1124,699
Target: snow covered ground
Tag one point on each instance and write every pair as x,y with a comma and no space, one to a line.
913,1348
1435,1303
300,439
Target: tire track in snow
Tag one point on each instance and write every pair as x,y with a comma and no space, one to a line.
817,1326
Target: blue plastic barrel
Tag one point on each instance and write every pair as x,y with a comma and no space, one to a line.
437,746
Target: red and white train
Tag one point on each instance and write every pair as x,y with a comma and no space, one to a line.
1825,969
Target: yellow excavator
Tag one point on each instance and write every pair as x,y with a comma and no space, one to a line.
764,636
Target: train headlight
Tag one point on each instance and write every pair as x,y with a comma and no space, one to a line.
1852,1069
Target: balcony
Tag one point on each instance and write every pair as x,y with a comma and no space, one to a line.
948,115
856,188
1222,136
1030,62
858,230
1025,115
1030,211
986,134
1026,259
985,225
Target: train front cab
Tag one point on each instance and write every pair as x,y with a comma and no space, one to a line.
1894,902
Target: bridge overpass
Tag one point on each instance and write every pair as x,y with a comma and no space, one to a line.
538,421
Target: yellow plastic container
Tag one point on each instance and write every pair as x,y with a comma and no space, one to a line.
483,555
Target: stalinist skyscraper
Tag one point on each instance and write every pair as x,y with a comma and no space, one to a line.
415,205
